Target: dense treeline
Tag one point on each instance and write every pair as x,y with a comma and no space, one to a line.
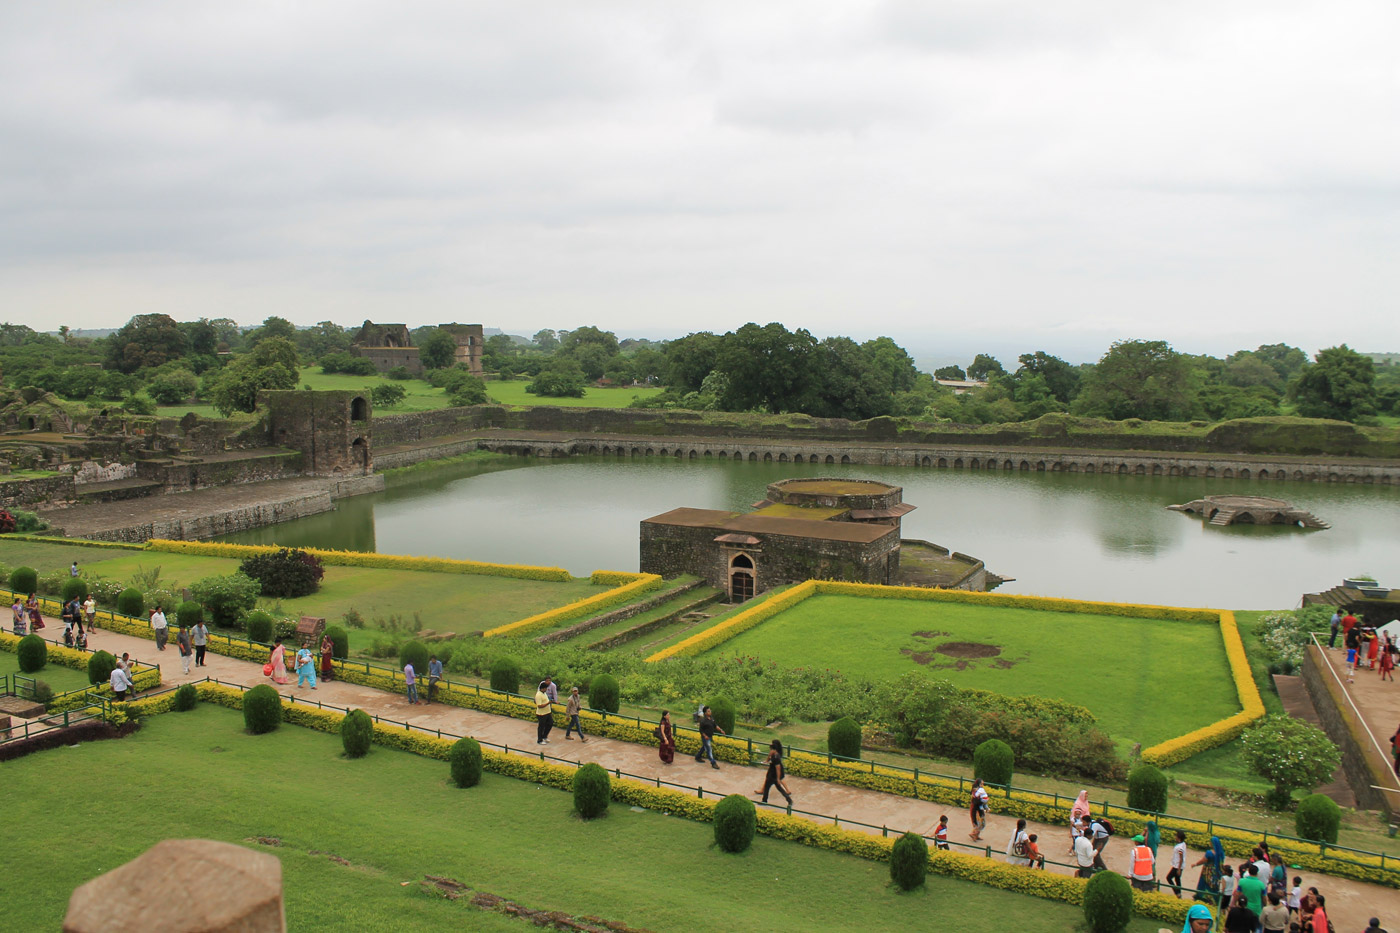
764,368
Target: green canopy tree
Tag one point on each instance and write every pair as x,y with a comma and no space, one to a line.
1340,385
145,340
1144,379
438,350
1290,753
272,364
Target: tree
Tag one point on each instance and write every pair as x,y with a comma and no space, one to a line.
438,350
545,340
588,335
953,373
984,367
561,379
769,368
272,364
201,337
1061,378
173,387
1144,379
690,359
1291,753
387,395
1340,385
324,338
273,326
145,340
1286,361
1246,370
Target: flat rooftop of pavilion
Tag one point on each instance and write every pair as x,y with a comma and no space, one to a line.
758,523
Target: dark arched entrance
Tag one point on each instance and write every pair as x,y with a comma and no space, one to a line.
359,409
359,454
741,578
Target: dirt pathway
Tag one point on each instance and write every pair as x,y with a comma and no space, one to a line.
1351,903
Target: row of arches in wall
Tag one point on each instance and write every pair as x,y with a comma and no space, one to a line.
695,453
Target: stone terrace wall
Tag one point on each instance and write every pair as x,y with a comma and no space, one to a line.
1361,764
221,522
27,493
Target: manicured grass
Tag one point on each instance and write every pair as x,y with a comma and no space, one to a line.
202,410
421,396
61,678
16,552
513,393
395,818
1145,680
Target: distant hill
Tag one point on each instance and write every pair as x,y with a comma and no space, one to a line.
1382,359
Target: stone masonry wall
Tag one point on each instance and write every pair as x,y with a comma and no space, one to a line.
221,522
27,493
1361,764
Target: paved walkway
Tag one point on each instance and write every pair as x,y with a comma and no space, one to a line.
1351,903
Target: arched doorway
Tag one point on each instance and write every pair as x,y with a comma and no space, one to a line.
359,409
741,578
359,454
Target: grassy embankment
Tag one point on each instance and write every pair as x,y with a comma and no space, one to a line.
395,817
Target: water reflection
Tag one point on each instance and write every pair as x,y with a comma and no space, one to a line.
1060,534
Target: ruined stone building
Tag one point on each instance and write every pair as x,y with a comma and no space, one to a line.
389,346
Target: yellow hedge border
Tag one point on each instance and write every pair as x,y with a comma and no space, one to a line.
584,607
975,868
367,559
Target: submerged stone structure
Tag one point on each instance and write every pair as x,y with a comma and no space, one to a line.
1250,510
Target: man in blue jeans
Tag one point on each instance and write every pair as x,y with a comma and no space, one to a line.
708,728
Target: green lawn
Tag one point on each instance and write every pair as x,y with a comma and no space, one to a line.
513,393
43,557
394,818
61,678
1145,680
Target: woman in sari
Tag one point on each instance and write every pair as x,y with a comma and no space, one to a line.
306,667
1077,813
1152,841
1198,920
327,659
21,626
1373,650
666,738
279,663
1208,884
36,620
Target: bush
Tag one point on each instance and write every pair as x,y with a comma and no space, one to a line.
262,709
1108,902
592,791
186,698
843,738
736,821
909,861
604,693
505,675
24,580
74,588
226,597
33,654
356,733
340,641
465,762
399,373
285,574
345,363
130,602
43,693
139,405
722,708
100,667
1290,753
387,395
1147,789
190,613
417,652
994,762
1318,818
259,626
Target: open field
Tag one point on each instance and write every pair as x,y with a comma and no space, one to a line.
513,393
1145,680
394,818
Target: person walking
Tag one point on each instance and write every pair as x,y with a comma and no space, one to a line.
544,716
90,612
36,618
434,675
121,683
708,727
1077,813
73,570
1099,833
306,668
21,619
1084,856
1142,865
185,642
1353,643
774,776
1252,888
277,662
571,710
1373,648
665,739
200,637
1178,863
551,690
1336,627
1274,917
410,679
977,809
1016,845
125,663
160,626
327,658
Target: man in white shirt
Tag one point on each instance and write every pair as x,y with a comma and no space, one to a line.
1084,856
1178,863
121,682
160,626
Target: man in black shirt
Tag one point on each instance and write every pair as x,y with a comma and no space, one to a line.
708,728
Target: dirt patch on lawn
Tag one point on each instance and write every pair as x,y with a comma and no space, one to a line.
918,657
968,649
930,634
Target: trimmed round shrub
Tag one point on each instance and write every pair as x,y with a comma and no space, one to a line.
186,698
1147,789
130,602
604,693
100,667
465,761
340,641
259,626
1108,902
356,733
1318,818
722,708
33,654
416,652
190,613
994,762
505,675
74,588
843,738
24,580
262,709
736,821
592,791
909,861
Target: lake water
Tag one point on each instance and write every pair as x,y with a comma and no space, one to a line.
1103,537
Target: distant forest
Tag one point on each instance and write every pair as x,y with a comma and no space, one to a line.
764,368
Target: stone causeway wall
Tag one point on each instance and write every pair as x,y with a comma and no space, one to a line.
1361,764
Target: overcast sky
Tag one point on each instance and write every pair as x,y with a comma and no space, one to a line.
1000,174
